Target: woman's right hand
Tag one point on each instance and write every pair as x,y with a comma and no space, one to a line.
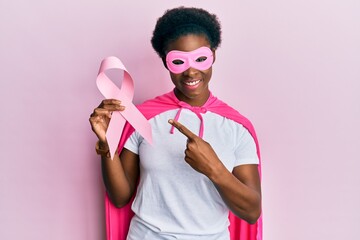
101,116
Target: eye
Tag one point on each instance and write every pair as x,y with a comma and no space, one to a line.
201,59
177,62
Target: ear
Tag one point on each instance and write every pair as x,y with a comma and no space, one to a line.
214,54
164,62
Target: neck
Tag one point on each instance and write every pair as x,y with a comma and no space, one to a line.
197,101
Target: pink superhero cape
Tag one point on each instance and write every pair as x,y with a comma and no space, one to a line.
118,219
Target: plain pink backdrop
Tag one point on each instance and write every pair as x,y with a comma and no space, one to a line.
292,67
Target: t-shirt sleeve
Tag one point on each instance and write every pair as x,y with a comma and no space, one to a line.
245,150
133,143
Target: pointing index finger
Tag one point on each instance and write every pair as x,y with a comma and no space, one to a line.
184,130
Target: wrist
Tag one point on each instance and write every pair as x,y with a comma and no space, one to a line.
103,144
102,148
218,172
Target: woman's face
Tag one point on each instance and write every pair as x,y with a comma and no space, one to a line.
192,85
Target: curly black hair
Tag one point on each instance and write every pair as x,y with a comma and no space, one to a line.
182,21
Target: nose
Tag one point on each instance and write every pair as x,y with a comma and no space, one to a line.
190,72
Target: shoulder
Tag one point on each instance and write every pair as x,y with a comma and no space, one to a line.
227,111
157,105
223,109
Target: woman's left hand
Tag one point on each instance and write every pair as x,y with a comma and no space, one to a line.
199,154
240,188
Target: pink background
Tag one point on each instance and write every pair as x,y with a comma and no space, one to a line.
292,67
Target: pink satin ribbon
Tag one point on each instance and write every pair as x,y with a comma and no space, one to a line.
125,94
197,110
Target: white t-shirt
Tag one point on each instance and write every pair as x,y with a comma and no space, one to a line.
173,201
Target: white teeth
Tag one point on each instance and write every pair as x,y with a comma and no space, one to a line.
192,83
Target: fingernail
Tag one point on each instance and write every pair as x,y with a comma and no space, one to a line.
170,121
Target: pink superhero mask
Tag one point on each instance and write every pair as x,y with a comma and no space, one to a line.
200,59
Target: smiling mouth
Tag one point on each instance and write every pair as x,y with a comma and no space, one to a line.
192,83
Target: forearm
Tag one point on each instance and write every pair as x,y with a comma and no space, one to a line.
115,180
119,177
243,200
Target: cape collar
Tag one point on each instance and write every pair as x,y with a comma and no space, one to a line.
195,109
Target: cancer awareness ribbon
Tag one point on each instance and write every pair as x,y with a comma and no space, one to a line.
125,94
